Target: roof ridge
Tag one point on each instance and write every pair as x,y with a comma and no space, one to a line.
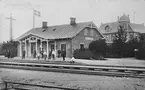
137,23
68,24
62,25
110,22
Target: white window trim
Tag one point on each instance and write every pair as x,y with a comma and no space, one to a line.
86,32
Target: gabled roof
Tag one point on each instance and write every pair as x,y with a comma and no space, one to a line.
137,27
57,31
113,27
132,27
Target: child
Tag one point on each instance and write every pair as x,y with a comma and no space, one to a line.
72,60
38,55
53,54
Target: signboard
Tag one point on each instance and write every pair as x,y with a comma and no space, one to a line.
89,38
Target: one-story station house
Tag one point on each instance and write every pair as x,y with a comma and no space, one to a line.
68,37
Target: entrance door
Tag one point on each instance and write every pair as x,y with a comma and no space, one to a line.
63,47
52,46
33,48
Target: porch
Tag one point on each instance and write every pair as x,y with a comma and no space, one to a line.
33,45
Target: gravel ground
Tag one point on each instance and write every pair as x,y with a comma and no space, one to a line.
84,82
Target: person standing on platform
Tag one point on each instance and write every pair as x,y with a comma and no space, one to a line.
42,53
50,53
63,54
45,55
34,53
38,55
23,54
8,54
53,54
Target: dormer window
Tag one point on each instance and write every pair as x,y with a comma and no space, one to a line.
107,28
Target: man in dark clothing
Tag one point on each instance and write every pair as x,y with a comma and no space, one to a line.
42,51
34,53
23,54
8,53
63,54
59,53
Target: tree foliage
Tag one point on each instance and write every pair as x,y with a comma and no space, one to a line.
141,47
119,43
98,47
10,46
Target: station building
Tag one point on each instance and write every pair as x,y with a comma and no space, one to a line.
69,37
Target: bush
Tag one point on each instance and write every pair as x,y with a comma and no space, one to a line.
98,48
82,54
140,54
86,54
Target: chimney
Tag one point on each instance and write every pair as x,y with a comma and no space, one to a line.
44,24
72,21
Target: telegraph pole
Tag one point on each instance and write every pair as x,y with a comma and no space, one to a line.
134,16
33,19
11,26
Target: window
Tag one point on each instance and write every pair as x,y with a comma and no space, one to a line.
107,37
86,32
92,33
81,46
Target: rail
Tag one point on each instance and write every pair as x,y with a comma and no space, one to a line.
6,87
91,70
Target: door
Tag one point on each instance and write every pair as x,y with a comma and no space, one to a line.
52,46
63,47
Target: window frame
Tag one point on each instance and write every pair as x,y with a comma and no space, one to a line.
81,44
86,32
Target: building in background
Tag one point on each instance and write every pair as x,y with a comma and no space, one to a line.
110,29
68,37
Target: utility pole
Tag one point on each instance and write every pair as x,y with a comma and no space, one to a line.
11,26
33,19
134,16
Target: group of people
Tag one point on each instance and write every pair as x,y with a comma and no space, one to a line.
51,55
43,54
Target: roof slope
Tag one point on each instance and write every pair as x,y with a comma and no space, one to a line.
112,25
57,31
137,27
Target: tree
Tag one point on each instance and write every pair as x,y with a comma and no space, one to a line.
10,46
98,47
119,42
131,45
141,47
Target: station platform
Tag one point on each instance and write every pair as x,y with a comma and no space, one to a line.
109,62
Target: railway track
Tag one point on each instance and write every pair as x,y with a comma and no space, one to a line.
133,72
9,85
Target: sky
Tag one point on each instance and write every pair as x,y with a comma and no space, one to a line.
57,12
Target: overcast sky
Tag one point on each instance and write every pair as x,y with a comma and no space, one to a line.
59,11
